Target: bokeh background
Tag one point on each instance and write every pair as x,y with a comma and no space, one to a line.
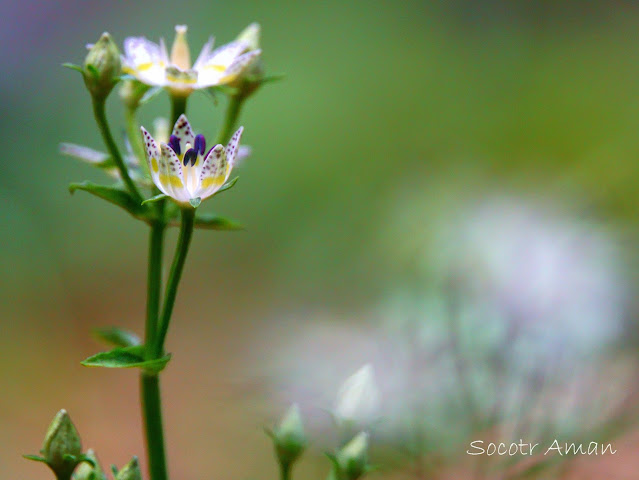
445,190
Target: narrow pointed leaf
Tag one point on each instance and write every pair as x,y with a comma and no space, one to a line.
127,357
114,195
73,66
35,458
157,198
117,337
215,222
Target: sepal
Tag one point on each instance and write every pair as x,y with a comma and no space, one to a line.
227,186
154,199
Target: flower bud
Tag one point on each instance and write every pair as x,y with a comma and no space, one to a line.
289,437
102,67
87,470
352,460
131,471
357,402
62,447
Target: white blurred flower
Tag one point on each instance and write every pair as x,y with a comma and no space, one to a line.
358,398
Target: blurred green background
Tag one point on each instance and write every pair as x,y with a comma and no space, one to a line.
394,120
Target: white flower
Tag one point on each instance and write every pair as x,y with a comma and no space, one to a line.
151,64
182,170
358,397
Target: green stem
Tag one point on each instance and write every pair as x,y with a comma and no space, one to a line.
230,118
100,117
154,277
184,240
285,471
178,107
149,384
153,429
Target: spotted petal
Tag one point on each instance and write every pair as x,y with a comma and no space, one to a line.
240,65
171,177
213,70
152,156
215,171
233,146
145,60
182,130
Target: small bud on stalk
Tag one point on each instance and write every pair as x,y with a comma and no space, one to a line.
351,462
102,67
89,469
131,471
62,448
289,438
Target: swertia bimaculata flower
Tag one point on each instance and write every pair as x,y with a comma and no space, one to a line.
151,64
183,170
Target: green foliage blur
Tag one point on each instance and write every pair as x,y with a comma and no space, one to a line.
390,114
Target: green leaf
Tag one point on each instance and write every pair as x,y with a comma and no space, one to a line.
227,185
73,66
127,357
157,198
215,222
276,77
195,202
35,458
114,195
117,337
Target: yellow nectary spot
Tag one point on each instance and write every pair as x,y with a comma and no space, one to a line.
172,180
144,66
211,181
219,68
154,165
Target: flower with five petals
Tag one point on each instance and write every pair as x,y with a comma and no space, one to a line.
183,169
151,64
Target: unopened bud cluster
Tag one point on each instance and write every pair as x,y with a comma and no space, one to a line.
356,406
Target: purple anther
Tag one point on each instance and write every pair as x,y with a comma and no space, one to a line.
190,156
174,143
200,144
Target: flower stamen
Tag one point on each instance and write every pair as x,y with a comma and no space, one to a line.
190,156
174,143
200,144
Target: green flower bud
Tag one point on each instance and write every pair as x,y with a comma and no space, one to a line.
131,471
102,67
289,437
87,470
352,460
62,447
